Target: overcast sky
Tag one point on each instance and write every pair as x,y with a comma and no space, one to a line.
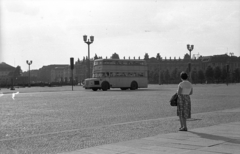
51,31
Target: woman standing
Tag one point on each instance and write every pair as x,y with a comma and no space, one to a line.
184,102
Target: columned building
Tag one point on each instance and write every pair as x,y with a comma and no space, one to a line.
62,74
34,75
45,73
171,68
168,70
82,70
159,70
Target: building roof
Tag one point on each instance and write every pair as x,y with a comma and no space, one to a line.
49,67
6,67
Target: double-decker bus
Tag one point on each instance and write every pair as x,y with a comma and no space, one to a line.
118,73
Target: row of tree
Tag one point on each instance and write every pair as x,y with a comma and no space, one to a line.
210,75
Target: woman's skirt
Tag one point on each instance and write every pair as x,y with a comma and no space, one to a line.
184,106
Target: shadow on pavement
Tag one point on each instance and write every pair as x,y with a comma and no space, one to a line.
215,137
192,119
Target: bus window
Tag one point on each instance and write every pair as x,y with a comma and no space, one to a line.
102,74
111,74
95,75
120,74
140,74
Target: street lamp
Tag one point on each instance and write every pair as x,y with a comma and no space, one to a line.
190,48
29,63
88,43
227,67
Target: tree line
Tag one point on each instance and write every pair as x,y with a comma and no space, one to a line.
210,75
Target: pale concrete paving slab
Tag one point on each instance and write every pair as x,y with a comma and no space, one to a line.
117,148
202,152
77,152
189,141
182,146
219,139
162,149
226,128
201,142
96,150
148,142
157,150
177,136
223,148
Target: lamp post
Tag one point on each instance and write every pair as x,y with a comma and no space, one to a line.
190,48
88,43
159,71
29,63
227,67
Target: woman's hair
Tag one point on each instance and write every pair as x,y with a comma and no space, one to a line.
184,76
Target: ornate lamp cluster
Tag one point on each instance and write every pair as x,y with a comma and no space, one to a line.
88,43
29,63
190,48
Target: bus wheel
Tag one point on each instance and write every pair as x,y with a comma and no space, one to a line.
105,86
94,89
134,85
123,88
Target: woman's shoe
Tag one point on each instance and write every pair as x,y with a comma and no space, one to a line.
183,129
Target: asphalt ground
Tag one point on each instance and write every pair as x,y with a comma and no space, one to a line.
57,119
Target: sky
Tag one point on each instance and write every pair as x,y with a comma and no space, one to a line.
51,31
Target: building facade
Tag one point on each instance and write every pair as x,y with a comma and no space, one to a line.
81,68
5,74
45,74
62,74
168,70
162,70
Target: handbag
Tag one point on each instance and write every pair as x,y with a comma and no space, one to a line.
173,101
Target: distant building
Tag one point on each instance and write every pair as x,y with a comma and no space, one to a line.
221,61
175,66
159,70
5,71
57,74
168,70
81,70
45,73
62,74
34,75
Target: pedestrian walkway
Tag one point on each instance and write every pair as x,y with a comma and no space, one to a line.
219,139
